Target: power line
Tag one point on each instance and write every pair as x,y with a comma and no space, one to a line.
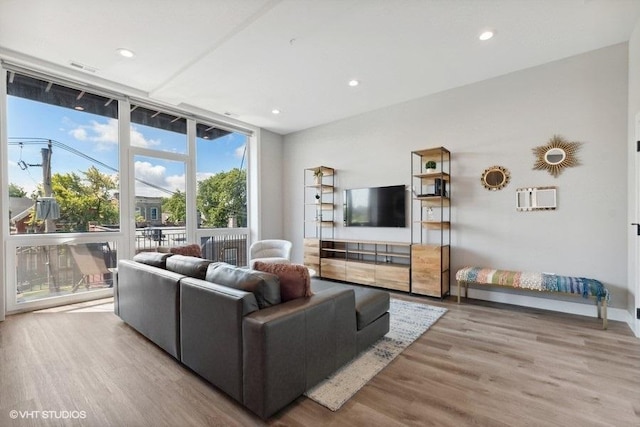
40,141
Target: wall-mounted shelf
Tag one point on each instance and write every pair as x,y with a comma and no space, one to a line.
536,199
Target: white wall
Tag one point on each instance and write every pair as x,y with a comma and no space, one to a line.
270,185
498,122
634,177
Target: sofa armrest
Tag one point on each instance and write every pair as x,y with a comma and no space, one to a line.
211,331
290,347
148,301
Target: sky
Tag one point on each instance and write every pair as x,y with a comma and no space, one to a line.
96,137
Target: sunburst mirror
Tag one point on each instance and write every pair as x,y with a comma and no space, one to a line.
556,155
495,178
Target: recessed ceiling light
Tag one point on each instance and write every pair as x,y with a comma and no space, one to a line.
354,82
78,108
486,35
275,111
125,52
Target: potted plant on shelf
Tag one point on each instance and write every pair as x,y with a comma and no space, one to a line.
430,166
317,176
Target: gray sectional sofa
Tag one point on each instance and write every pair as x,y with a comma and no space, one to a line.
237,334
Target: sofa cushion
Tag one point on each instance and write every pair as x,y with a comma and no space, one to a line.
188,250
294,279
188,265
265,286
154,259
370,305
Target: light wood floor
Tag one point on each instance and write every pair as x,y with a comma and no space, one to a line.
481,364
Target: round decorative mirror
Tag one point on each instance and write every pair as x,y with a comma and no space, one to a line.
556,155
495,178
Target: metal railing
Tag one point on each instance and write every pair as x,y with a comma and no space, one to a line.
220,245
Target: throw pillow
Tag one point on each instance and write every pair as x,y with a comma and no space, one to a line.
294,279
188,250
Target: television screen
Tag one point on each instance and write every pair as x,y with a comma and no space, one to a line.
375,207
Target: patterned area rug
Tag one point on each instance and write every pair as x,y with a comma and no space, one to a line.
409,320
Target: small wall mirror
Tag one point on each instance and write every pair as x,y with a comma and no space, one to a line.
536,198
495,178
556,155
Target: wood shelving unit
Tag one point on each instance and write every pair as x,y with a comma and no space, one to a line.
367,262
319,212
431,222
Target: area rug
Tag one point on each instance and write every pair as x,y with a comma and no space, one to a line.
409,320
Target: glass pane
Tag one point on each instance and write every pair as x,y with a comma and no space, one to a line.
221,173
62,158
58,270
229,248
160,203
157,130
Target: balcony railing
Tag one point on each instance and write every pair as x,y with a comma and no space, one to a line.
221,245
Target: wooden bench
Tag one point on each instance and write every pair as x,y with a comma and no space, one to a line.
541,282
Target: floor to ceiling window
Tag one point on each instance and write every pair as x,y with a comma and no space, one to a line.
221,174
62,167
160,146
78,203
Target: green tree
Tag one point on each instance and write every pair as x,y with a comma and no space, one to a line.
84,199
223,196
176,207
16,191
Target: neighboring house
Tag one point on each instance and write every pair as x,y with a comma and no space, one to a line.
150,208
20,209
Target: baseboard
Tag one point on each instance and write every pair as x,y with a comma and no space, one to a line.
583,309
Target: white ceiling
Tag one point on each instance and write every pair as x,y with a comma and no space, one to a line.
247,57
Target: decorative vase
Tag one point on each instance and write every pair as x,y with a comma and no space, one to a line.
430,214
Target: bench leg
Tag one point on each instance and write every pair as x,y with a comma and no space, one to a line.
602,312
466,290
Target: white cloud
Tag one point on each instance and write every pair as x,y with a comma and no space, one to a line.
176,182
138,139
240,151
201,176
105,132
106,135
157,176
79,133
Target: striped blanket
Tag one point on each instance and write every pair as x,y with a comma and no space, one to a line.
534,281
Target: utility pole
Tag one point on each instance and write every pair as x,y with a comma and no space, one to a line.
49,225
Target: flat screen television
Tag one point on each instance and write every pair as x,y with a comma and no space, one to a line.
375,207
